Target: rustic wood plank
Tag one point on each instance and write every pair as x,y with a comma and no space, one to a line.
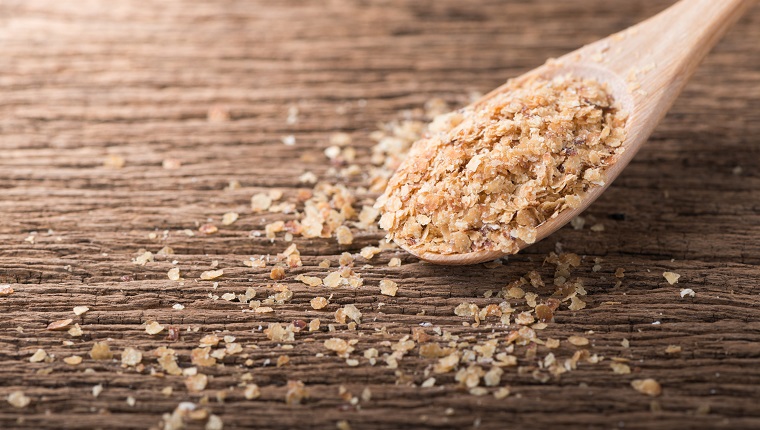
81,80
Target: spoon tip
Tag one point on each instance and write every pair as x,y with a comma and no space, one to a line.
467,258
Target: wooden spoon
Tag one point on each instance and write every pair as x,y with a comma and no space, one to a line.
645,67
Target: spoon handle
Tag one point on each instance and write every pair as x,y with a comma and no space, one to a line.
658,56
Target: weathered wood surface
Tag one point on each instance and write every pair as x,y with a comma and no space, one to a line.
80,80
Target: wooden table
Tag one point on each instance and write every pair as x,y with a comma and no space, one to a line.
80,81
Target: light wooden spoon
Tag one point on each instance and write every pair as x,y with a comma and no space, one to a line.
645,67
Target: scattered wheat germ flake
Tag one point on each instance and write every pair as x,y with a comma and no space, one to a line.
60,324
648,386
17,399
229,218
388,287
578,340
211,274
153,327
79,310
671,277
173,274
73,360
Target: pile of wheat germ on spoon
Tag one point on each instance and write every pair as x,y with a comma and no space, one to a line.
488,175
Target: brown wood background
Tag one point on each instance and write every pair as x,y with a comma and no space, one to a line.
81,80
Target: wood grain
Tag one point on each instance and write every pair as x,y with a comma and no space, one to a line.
81,80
